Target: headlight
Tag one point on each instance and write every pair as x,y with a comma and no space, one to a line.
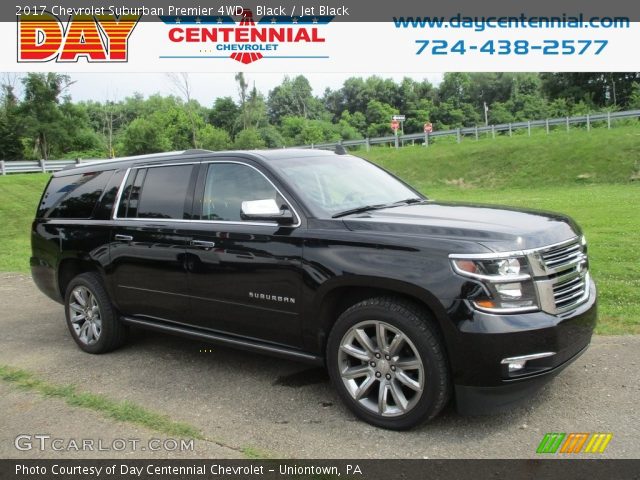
504,284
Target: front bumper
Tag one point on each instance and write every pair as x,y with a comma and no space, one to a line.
483,384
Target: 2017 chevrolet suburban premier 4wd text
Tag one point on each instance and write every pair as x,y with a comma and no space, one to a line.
321,257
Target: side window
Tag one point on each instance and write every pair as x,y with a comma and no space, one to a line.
160,192
228,185
73,196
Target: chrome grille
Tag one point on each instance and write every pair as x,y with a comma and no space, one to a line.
563,256
570,293
561,275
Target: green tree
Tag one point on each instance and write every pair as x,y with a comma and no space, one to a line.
249,139
143,136
212,138
11,147
225,114
378,116
41,112
294,97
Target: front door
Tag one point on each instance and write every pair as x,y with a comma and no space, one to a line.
244,277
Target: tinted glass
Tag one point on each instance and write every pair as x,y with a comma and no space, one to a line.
337,183
105,207
164,193
230,184
73,196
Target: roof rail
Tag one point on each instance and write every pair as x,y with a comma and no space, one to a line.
142,157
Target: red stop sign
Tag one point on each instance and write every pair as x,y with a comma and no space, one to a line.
395,125
428,127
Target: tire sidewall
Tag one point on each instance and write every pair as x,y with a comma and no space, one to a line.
427,405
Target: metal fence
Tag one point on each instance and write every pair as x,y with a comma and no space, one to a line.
566,122
24,166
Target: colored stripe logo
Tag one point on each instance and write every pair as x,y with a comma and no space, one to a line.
574,443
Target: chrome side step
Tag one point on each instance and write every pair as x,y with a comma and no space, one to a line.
226,340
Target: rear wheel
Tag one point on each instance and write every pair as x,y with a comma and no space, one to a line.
91,318
386,360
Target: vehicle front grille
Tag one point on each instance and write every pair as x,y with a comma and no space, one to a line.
563,256
561,276
570,293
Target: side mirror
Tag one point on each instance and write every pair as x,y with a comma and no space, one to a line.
265,210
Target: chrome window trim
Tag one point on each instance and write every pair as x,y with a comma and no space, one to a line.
114,213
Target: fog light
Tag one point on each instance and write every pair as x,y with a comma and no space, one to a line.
515,364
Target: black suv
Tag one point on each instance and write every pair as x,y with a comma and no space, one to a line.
320,257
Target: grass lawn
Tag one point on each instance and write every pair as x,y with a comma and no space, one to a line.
19,196
585,175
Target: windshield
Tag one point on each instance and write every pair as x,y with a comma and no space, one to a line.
339,183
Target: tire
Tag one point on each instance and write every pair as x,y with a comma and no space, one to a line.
400,384
94,325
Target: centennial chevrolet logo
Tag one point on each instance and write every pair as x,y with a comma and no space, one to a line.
574,443
247,41
97,38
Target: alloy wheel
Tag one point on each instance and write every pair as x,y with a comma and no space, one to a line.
85,316
381,368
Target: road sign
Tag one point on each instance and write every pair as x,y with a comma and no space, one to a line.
399,118
428,127
395,125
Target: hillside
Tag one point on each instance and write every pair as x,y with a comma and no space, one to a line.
561,158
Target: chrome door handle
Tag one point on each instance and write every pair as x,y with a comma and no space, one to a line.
123,238
202,244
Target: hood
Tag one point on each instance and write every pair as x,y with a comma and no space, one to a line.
496,227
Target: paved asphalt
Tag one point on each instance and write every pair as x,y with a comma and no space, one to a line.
282,408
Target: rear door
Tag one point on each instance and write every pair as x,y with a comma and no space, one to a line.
245,277
149,242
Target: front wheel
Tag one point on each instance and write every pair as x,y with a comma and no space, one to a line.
387,362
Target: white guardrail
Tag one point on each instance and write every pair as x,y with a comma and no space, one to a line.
25,166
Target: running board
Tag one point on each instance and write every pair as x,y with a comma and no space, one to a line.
226,340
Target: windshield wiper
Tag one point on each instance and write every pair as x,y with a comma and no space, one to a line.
410,201
367,208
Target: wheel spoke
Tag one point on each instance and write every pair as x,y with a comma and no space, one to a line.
355,352
84,331
411,363
396,343
77,318
364,340
408,381
364,387
76,308
381,336
357,371
382,397
398,396
95,331
79,296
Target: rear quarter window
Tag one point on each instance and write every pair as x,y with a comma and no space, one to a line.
73,196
